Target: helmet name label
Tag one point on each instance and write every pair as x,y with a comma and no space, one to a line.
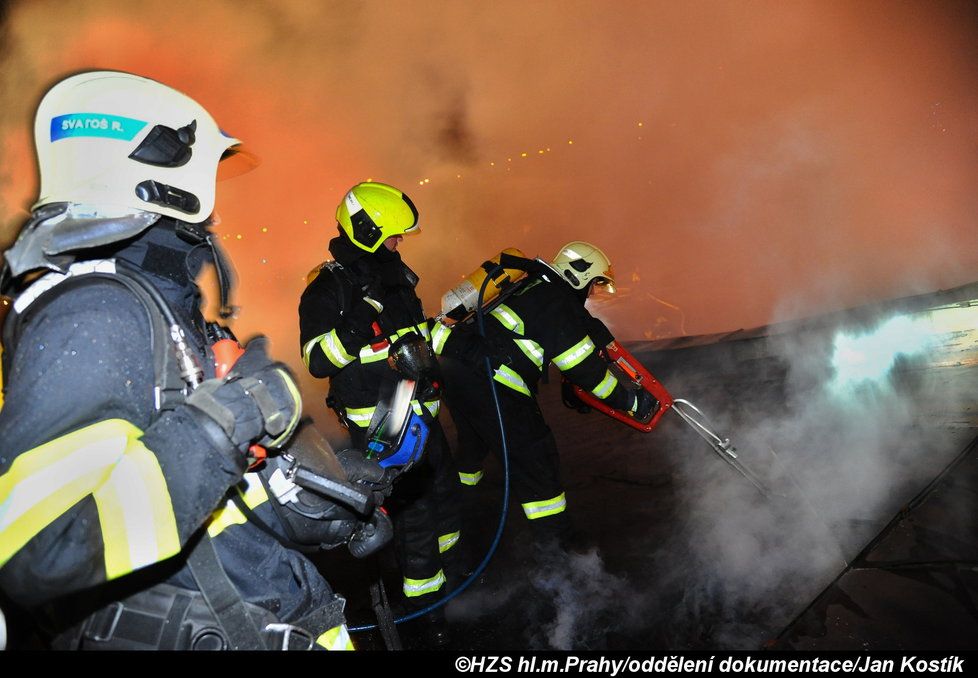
95,125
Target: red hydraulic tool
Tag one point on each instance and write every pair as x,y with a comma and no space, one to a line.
629,370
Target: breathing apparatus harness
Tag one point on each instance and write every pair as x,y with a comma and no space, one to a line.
534,267
177,373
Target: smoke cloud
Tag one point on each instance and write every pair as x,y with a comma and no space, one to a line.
842,450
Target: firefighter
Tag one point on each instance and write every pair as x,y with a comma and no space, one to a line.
355,307
544,321
128,520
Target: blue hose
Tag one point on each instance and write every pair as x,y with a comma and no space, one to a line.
480,319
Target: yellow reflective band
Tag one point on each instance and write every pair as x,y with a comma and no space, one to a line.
508,318
606,386
532,350
333,348
547,507
471,479
439,337
254,495
308,349
360,416
107,458
135,514
433,407
419,587
508,377
423,329
337,638
447,541
369,355
574,355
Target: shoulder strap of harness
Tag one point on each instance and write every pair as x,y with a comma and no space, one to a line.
170,388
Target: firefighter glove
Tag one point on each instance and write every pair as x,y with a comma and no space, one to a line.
257,402
412,358
645,406
372,535
367,473
337,529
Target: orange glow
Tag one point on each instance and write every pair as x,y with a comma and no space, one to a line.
799,156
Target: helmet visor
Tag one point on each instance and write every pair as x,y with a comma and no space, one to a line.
235,161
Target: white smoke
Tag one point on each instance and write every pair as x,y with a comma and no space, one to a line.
845,444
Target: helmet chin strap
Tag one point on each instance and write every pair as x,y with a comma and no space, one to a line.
199,236
225,277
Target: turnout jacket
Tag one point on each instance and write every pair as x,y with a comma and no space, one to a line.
100,491
337,344
544,322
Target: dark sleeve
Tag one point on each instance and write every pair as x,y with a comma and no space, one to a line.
580,336
102,487
328,340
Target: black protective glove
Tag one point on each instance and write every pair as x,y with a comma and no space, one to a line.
645,406
373,535
257,402
367,473
412,358
337,527
571,399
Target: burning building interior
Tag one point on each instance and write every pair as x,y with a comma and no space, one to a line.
787,194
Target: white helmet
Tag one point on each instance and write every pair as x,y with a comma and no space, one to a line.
120,141
580,263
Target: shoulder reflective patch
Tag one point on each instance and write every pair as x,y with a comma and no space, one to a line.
95,125
109,461
253,493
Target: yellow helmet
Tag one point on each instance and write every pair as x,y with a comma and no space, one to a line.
371,212
581,262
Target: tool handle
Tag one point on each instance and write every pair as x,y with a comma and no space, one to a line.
629,368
